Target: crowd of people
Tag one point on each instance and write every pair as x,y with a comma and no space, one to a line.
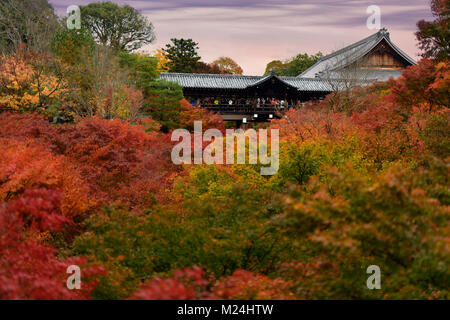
258,102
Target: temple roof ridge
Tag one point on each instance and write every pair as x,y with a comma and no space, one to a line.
353,53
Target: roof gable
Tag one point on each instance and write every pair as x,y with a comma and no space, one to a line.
272,76
353,53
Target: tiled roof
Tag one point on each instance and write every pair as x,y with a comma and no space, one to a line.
218,81
210,81
351,54
309,84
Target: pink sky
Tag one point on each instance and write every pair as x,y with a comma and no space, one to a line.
255,32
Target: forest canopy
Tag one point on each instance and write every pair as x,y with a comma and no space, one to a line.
86,176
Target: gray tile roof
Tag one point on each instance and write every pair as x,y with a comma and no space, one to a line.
351,54
210,81
219,81
308,84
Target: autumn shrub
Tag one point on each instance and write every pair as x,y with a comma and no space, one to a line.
189,114
79,79
30,82
121,102
115,160
355,100
120,162
185,284
392,220
218,227
231,218
98,86
388,133
111,161
299,161
93,163
29,269
244,285
23,126
71,45
436,134
309,123
193,283
149,125
425,83
25,165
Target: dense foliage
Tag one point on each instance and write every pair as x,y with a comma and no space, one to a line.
294,66
182,55
362,186
227,65
434,36
363,180
30,22
120,27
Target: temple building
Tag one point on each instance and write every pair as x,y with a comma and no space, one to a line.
259,98
376,58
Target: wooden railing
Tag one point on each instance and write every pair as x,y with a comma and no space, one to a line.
244,108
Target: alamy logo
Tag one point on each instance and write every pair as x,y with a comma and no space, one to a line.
231,149
374,281
374,20
74,18
74,281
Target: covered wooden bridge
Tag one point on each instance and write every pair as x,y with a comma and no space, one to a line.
253,98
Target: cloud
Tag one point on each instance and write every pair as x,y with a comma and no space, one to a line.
254,32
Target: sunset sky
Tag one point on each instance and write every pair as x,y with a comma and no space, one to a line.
255,32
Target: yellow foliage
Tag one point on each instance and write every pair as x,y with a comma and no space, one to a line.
22,87
162,60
